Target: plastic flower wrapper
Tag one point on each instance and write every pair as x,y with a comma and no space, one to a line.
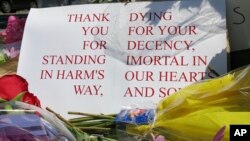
21,121
135,115
16,117
21,117
203,111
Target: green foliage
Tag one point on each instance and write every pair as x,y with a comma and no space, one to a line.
3,57
19,97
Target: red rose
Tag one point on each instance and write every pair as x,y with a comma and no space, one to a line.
12,86
31,99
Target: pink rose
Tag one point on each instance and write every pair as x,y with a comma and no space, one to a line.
13,31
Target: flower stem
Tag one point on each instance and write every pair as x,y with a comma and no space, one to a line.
59,116
88,123
80,119
94,128
105,124
91,115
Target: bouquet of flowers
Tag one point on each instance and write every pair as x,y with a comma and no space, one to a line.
22,118
10,43
21,121
204,110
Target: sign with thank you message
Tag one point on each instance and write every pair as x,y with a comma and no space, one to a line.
97,58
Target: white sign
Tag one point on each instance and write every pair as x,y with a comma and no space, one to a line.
98,58
238,14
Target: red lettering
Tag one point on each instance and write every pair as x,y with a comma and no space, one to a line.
78,74
95,30
139,92
159,45
157,60
173,76
75,74
94,45
95,17
88,90
101,74
177,30
74,59
45,60
139,76
150,16
141,30
46,74
200,61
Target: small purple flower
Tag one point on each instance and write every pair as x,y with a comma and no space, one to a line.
160,138
220,134
11,52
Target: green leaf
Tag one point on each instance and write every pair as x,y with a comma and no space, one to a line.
2,100
19,97
3,58
79,135
8,107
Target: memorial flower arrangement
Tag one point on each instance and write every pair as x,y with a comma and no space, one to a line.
22,118
202,111
16,102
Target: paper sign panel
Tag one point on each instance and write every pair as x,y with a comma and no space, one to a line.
98,58
238,15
